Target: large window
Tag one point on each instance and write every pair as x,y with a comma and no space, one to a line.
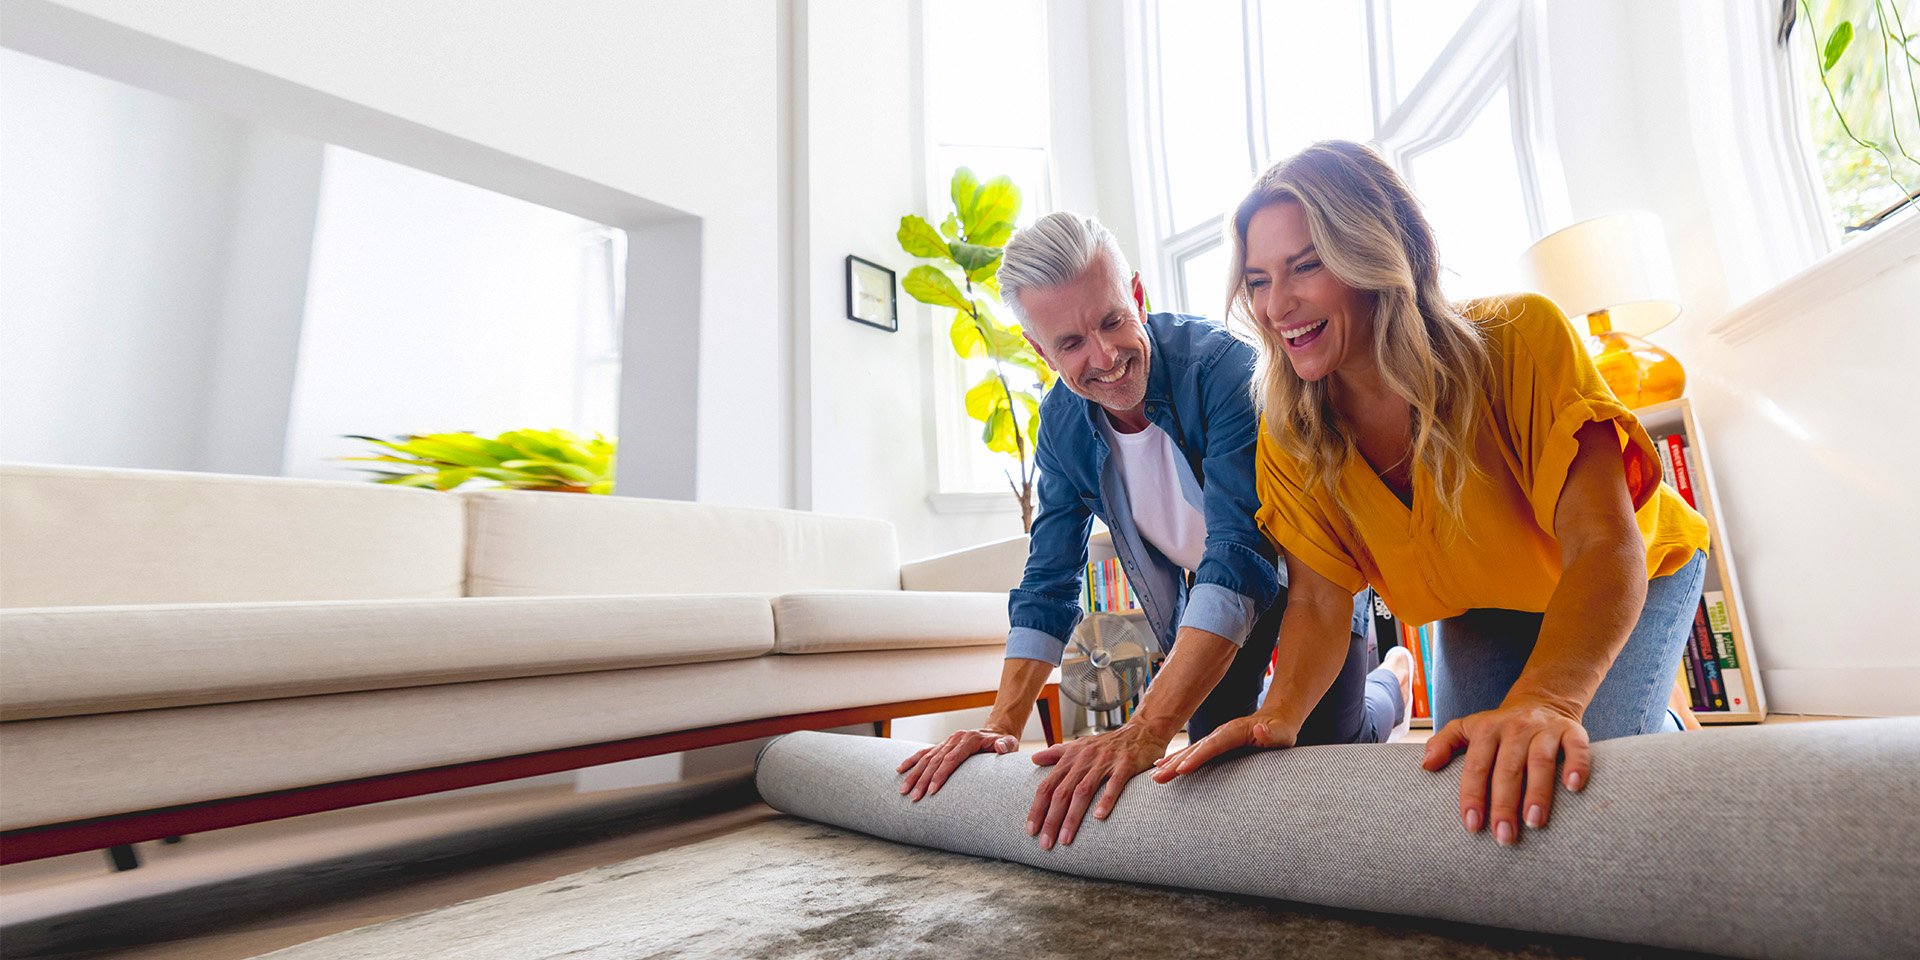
987,110
1856,61
1438,86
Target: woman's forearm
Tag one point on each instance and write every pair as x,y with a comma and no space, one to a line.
1587,622
1198,661
1309,654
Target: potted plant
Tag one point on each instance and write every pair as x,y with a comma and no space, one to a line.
964,254
552,460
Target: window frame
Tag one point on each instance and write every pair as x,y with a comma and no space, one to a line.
961,462
1497,44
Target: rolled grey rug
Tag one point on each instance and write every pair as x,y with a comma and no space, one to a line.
1797,840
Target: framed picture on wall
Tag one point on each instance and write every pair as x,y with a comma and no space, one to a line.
870,296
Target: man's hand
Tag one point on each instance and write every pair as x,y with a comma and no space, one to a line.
1514,750
1260,731
927,770
1079,769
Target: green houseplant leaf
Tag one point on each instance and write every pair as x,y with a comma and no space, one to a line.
979,261
972,237
1001,432
929,284
1032,404
521,459
963,188
1837,44
919,238
996,205
965,334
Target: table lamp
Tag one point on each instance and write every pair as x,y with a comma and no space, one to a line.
1616,272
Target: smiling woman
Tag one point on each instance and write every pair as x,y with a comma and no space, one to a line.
1469,464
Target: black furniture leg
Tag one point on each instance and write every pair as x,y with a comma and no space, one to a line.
123,857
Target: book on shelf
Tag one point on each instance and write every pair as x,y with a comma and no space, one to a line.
1428,634
1666,462
1106,589
1674,449
1714,602
1417,640
1713,691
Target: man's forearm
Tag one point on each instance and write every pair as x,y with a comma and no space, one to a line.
1198,662
1020,683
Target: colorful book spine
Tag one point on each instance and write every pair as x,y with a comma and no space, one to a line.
1106,589
1682,474
1666,463
1428,635
1714,688
1410,638
1690,670
1720,624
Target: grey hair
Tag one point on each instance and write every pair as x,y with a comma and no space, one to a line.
1054,250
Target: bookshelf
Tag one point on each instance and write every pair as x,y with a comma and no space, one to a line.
1676,417
1099,550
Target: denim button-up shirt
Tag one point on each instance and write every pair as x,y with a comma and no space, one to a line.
1199,390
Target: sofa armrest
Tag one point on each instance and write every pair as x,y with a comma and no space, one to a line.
988,568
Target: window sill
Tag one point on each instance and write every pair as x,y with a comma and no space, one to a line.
1887,247
978,502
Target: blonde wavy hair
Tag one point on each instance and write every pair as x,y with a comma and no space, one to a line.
1367,228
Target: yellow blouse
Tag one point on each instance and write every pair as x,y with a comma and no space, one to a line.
1543,389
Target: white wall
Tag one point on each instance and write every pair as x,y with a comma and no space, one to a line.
1813,465
671,102
252,364
868,432
434,306
121,208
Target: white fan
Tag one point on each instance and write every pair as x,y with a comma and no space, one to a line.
1106,662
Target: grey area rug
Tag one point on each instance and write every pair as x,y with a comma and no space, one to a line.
789,888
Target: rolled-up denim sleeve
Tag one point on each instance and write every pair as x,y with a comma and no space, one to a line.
1026,643
1215,609
1044,609
1236,579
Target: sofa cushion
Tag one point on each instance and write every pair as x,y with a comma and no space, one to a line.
994,567
73,768
83,660
523,543
86,535
834,621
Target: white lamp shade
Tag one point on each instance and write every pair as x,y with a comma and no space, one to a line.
1618,263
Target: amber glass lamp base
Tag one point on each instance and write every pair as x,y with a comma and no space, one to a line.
1639,373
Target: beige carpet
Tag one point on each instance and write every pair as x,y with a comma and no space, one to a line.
790,888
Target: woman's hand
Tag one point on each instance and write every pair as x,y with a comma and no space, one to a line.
1511,753
1254,731
927,770
1079,769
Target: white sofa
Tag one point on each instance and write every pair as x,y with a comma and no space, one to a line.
173,641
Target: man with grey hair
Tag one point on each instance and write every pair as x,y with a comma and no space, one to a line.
1154,435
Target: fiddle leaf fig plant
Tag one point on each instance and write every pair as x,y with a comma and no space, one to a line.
965,252
555,460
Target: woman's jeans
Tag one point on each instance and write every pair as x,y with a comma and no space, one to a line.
1362,706
1481,653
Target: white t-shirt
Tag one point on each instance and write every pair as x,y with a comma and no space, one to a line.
1150,467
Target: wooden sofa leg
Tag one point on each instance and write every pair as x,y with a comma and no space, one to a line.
883,728
1050,713
123,858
